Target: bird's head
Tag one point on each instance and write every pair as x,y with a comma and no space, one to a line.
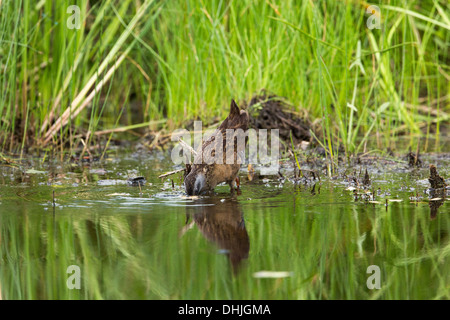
195,181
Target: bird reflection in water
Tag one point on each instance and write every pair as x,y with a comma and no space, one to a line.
222,221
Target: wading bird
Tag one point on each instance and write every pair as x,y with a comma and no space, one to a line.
203,176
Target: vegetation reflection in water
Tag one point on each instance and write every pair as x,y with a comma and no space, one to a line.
313,242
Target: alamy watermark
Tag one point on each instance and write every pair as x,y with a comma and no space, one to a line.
228,147
74,280
374,281
374,21
74,21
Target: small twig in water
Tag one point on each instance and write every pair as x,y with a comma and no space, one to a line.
171,172
184,144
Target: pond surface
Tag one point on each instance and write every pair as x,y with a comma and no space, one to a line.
276,239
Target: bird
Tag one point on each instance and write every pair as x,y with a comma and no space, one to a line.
204,175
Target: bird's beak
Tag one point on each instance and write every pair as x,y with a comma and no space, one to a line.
199,185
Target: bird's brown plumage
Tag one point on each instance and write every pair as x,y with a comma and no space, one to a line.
205,175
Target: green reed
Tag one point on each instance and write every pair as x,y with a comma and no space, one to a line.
176,60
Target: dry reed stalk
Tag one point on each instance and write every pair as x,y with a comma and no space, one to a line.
80,101
73,110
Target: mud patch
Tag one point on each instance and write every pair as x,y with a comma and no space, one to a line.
436,181
269,111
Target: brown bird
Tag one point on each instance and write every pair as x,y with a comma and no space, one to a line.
210,165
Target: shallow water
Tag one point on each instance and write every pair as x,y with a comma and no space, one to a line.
277,239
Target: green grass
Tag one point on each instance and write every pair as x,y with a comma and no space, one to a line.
136,62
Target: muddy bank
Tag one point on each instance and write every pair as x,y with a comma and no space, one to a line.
266,111
269,111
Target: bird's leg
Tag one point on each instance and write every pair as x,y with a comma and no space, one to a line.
230,183
238,183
